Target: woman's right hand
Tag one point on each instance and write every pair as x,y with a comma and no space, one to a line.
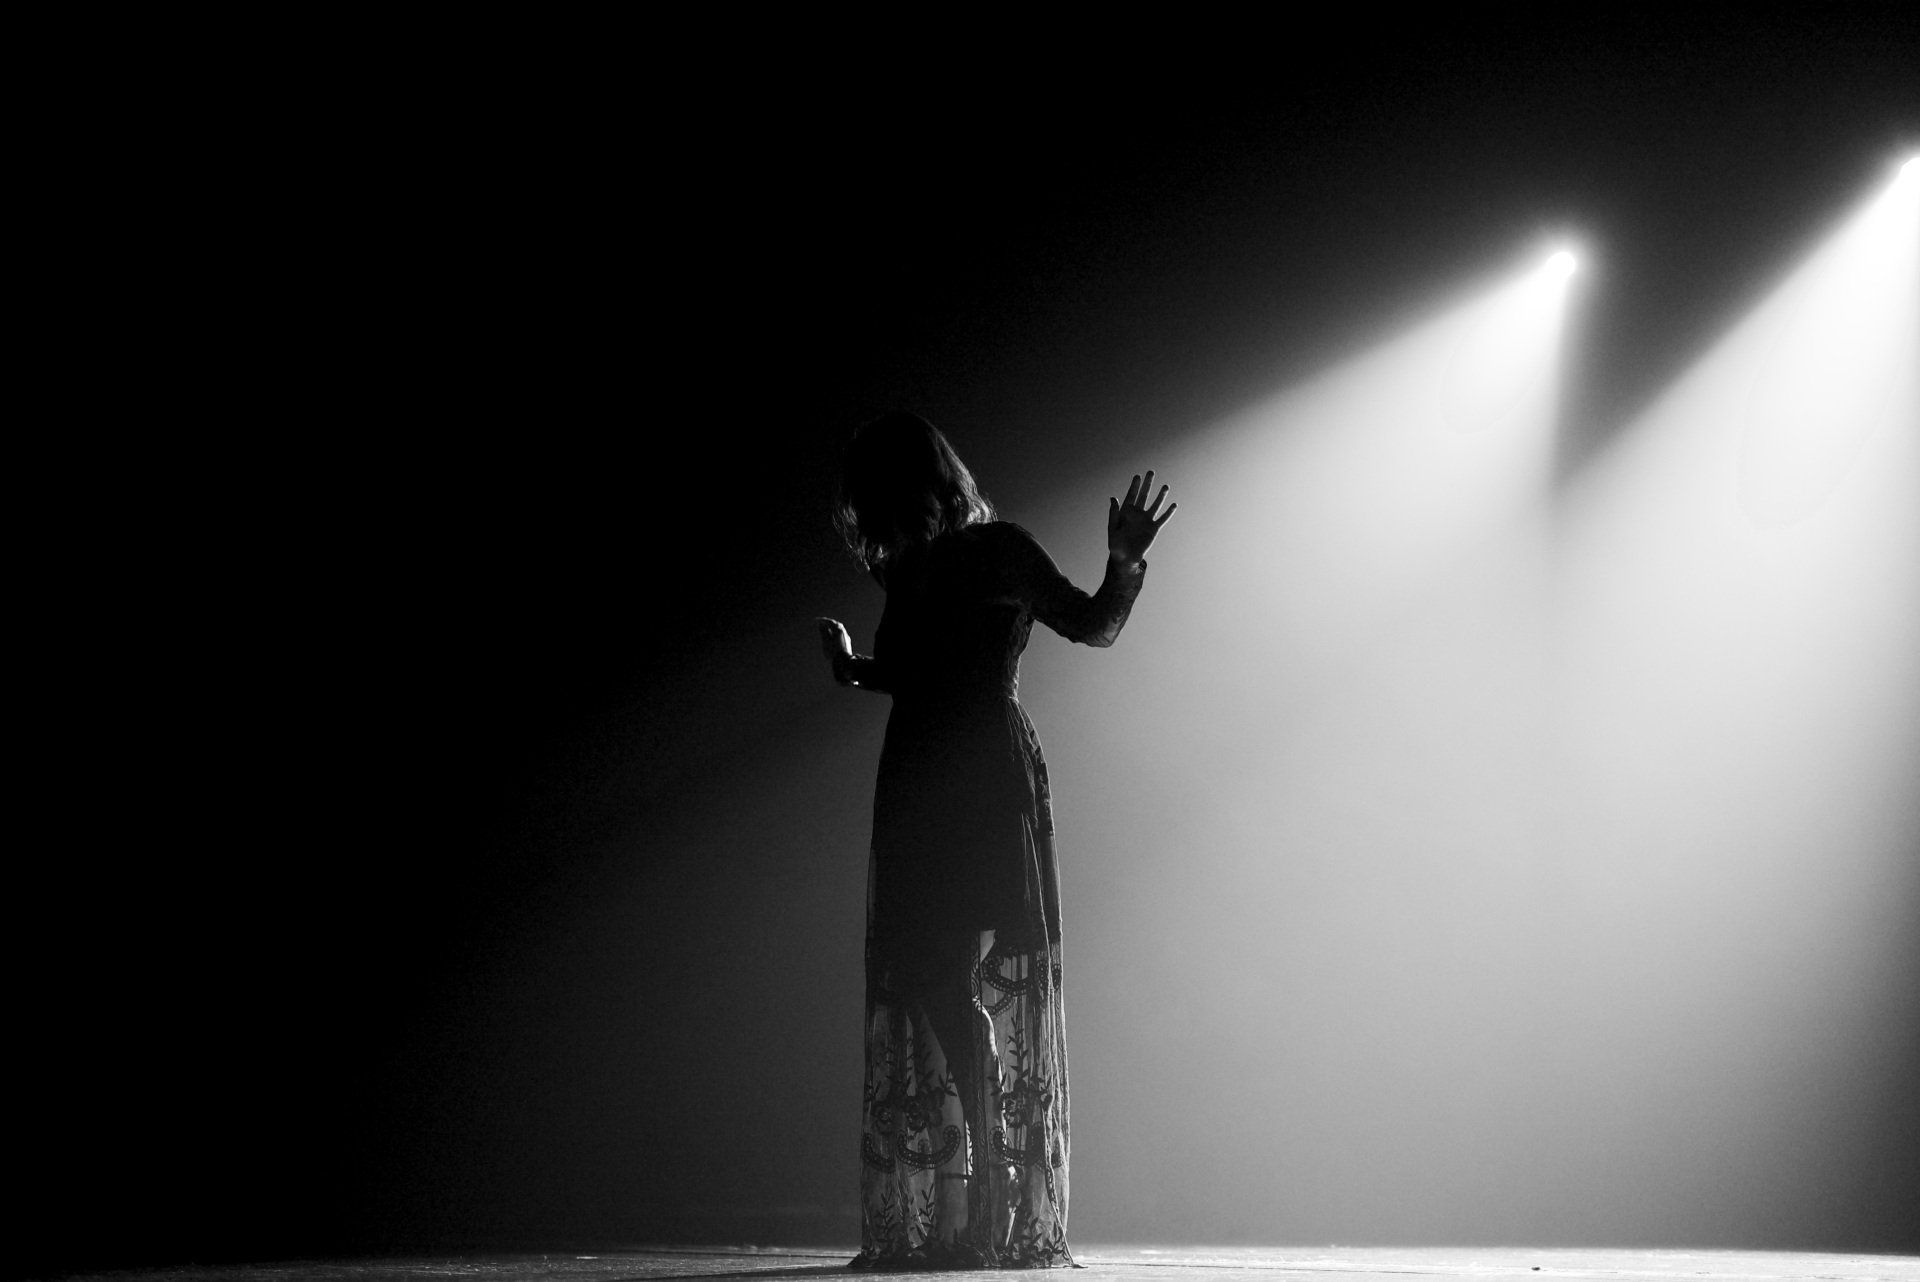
1132,525
837,646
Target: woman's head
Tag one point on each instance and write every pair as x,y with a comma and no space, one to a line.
901,484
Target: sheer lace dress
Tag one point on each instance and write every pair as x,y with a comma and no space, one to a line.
964,1130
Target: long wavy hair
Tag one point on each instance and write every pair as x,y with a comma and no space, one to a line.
902,484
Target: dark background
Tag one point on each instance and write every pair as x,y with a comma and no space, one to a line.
439,729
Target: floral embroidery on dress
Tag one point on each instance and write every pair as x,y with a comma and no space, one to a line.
955,1183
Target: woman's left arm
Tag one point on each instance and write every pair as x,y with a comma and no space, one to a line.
850,669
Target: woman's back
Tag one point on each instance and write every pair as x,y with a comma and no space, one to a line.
956,619
961,608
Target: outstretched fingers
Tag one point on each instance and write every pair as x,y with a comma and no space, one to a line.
1136,501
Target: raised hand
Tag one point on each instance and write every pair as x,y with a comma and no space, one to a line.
1131,524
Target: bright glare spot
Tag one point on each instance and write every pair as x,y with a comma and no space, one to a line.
1910,170
1510,342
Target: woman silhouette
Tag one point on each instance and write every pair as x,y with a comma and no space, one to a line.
964,1146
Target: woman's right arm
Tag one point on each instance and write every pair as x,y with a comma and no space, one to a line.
1093,620
850,669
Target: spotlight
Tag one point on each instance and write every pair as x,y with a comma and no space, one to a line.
1561,265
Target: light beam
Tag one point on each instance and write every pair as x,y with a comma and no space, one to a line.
1311,864
1830,367
1737,687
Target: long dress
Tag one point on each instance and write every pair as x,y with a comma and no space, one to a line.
964,1128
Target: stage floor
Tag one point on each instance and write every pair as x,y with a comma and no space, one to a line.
1103,1264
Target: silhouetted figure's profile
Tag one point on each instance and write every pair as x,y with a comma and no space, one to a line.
964,1128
